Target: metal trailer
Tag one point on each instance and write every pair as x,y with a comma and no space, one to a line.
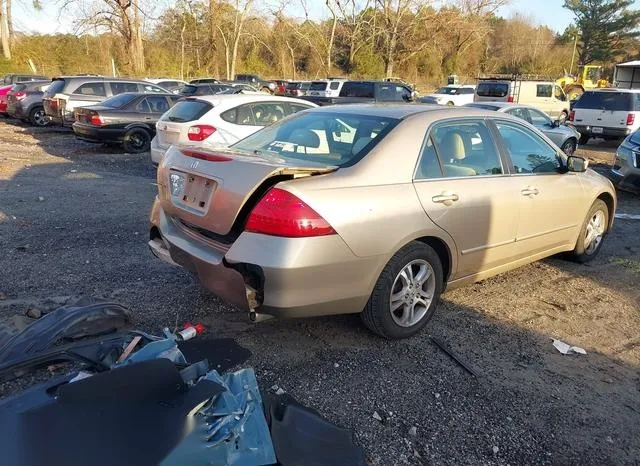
627,75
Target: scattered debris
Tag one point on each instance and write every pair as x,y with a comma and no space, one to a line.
377,417
336,365
413,431
280,391
274,388
130,347
3,296
440,344
437,395
495,450
567,349
33,313
627,216
40,198
74,171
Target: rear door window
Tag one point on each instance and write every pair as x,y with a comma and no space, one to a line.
268,113
242,115
143,106
121,87
491,89
295,108
358,89
605,100
157,103
93,89
187,110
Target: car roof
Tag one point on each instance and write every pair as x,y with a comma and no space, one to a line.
146,94
401,111
240,99
614,89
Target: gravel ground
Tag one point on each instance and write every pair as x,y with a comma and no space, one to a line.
73,223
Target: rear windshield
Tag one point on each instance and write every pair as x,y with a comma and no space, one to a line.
187,110
56,86
318,86
489,89
118,101
607,100
189,90
321,138
357,89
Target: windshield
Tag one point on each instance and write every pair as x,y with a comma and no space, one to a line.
447,90
605,100
333,139
318,86
118,101
492,89
187,110
56,86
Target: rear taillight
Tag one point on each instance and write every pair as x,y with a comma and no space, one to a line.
572,115
19,95
96,119
631,117
510,99
53,103
280,213
200,132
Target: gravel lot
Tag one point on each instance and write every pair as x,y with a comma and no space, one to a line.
73,223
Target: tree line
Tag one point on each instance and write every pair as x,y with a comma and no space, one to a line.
417,40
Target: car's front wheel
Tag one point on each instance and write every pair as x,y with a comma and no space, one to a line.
569,147
37,117
584,138
592,233
406,293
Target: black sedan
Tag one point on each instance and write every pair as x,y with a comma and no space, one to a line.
128,119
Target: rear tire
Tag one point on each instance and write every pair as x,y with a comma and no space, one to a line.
584,138
450,104
415,278
569,147
136,141
37,117
266,89
592,233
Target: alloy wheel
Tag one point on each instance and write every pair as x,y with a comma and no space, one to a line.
412,293
594,233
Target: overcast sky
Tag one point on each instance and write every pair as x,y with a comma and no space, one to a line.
547,12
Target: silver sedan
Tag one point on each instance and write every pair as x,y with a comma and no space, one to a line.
564,136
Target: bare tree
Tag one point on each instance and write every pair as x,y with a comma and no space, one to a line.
122,17
4,31
232,31
331,5
354,19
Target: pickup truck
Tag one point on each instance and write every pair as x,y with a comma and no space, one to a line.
353,92
256,81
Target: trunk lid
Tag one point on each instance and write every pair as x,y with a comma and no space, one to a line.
174,125
604,109
209,190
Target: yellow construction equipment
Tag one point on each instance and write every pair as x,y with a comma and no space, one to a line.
589,77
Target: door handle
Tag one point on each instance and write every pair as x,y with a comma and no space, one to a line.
528,191
445,198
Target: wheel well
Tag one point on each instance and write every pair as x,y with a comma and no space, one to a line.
608,199
441,248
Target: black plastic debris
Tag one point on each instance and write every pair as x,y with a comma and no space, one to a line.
65,324
222,353
302,437
455,356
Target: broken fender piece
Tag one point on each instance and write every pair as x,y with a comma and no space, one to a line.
567,349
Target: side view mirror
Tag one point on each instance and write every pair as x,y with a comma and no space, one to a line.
556,123
577,164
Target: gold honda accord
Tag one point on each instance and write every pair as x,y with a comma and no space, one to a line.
374,210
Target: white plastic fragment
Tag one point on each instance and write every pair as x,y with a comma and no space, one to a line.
627,216
280,391
376,416
564,348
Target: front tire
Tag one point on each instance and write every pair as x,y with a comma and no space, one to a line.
569,147
136,141
592,233
406,294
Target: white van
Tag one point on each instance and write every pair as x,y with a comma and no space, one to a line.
543,95
606,113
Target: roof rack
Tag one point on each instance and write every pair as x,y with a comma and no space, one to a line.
516,77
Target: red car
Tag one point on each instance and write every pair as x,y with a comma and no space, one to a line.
3,99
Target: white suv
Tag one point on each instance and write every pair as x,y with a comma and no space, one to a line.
450,95
606,113
219,120
326,88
